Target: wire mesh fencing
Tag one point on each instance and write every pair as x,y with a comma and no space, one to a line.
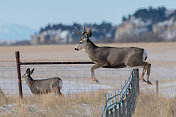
121,103
76,78
8,78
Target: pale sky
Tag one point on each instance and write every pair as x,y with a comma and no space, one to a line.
39,13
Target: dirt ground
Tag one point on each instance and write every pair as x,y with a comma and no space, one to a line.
162,56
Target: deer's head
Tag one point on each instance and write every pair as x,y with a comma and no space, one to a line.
27,74
84,39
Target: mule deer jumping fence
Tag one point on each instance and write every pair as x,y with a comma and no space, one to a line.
126,97
68,71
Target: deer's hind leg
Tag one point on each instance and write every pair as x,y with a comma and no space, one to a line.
147,67
142,75
148,73
57,91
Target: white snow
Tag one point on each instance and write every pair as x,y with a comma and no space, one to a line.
75,87
167,22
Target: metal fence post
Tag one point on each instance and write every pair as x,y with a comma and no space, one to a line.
156,86
17,54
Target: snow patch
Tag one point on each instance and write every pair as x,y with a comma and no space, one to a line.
81,87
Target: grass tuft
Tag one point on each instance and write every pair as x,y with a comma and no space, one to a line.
151,105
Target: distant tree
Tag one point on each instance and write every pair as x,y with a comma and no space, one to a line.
124,18
41,30
100,31
55,27
129,16
155,15
150,8
48,27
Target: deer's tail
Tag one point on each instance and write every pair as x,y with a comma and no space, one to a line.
144,55
60,83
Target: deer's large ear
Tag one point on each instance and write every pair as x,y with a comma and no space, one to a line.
89,34
31,71
28,71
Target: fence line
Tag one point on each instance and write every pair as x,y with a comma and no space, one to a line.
121,103
62,66
76,78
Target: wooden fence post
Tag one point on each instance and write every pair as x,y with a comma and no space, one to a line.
136,81
17,54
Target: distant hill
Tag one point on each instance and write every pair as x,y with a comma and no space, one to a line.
15,32
146,25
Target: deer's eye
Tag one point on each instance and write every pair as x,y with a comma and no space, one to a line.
80,42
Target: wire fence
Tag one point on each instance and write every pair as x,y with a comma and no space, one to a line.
8,78
121,103
76,78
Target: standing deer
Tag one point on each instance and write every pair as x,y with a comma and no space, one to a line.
43,86
113,57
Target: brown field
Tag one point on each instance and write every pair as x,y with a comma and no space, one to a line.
162,56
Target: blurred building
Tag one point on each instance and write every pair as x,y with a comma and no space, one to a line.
52,37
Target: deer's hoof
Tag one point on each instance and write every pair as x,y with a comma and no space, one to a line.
149,83
143,80
97,82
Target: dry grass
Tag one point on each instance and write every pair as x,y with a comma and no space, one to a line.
3,99
83,105
151,105
75,105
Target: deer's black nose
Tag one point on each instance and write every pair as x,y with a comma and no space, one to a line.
76,49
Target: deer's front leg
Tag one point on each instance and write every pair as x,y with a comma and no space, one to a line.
92,71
